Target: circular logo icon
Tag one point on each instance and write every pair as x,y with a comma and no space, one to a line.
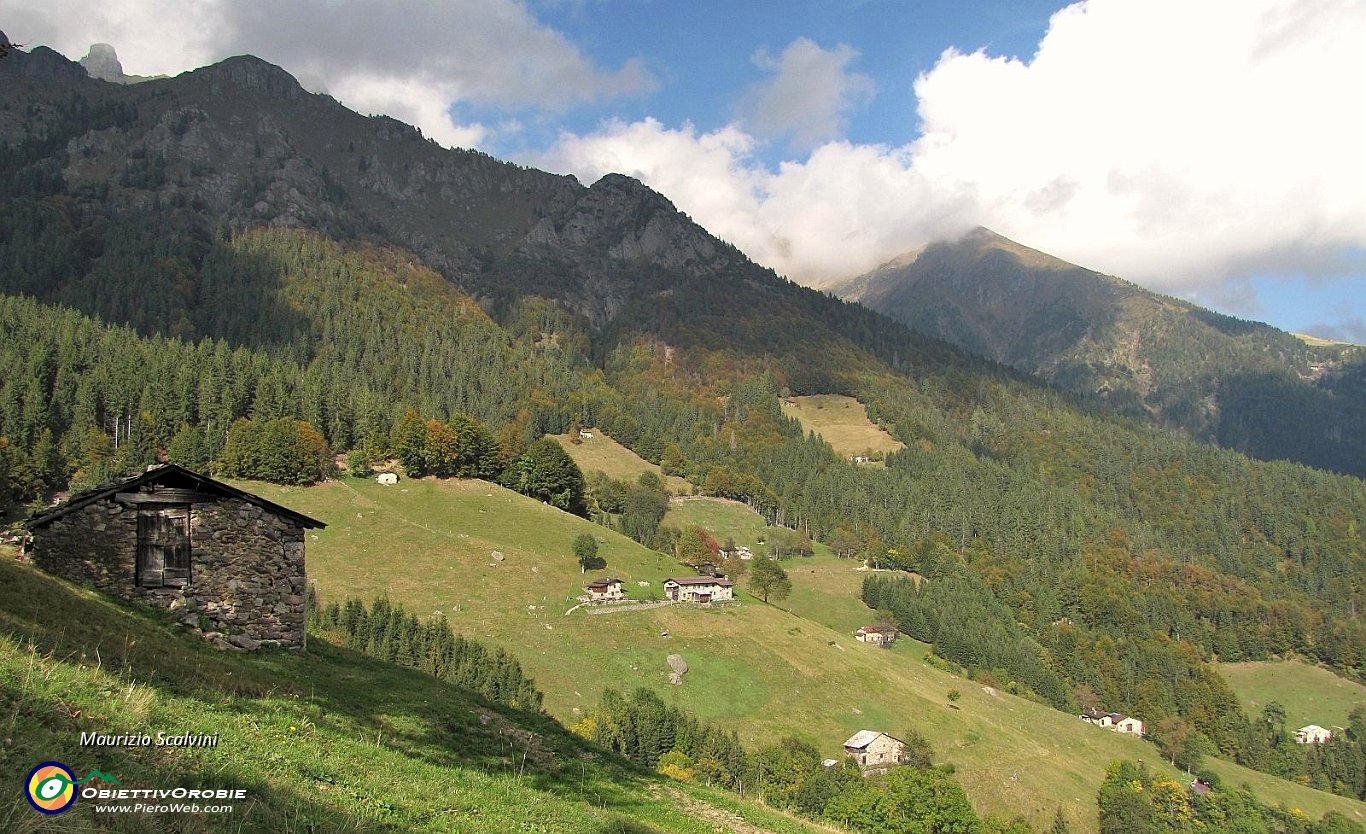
51,787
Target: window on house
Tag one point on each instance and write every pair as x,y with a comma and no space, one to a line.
164,547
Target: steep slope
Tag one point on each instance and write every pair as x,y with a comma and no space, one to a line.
1241,384
241,144
758,669
324,741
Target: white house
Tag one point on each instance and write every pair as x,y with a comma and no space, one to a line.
1118,722
703,589
1313,734
877,635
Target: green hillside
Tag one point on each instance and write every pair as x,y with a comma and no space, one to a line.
601,453
425,292
1241,384
825,589
327,741
754,668
843,423
1310,694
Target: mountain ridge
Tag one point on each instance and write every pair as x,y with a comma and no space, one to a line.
1217,378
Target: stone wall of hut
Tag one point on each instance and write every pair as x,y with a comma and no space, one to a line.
247,584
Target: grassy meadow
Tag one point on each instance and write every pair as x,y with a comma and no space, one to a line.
323,741
759,669
843,422
601,453
1310,694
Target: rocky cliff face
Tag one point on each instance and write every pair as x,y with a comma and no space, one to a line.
241,143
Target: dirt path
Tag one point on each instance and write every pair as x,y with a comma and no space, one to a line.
727,820
639,606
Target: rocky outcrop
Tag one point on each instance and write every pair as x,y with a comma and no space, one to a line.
251,73
102,62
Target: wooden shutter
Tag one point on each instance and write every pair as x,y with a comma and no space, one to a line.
163,547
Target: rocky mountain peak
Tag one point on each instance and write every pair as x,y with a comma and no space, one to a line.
252,73
102,62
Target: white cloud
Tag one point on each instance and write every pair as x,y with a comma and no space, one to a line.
838,212
407,58
809,96
1177,144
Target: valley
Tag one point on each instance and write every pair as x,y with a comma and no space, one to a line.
761,670
226,272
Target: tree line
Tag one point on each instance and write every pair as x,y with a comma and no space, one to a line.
389,632
788,774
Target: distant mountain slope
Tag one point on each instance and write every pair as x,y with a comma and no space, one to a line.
1241,384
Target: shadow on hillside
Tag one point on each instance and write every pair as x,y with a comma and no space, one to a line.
366,699
265,808
193,287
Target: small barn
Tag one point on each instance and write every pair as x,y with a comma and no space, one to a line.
1313,734
702,589
225,560
877,635
606,589
1115,721
872,749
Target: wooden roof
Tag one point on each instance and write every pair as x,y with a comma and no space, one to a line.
169,479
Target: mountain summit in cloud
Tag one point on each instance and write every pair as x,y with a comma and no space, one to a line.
1220,379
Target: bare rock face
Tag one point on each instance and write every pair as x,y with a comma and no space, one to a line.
38,63
103,62
679,667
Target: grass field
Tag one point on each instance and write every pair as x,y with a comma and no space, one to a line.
761,670
601,453
324,741
724,519
825,588
1310,694
1319,341
843,422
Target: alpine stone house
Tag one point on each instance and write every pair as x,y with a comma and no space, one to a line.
228,562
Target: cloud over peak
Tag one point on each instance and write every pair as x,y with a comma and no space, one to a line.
409,59
1180,145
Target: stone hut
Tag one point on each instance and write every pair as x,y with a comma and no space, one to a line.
227,562
873,749
877,635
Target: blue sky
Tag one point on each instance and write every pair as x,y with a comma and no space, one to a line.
701,51
1208,149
